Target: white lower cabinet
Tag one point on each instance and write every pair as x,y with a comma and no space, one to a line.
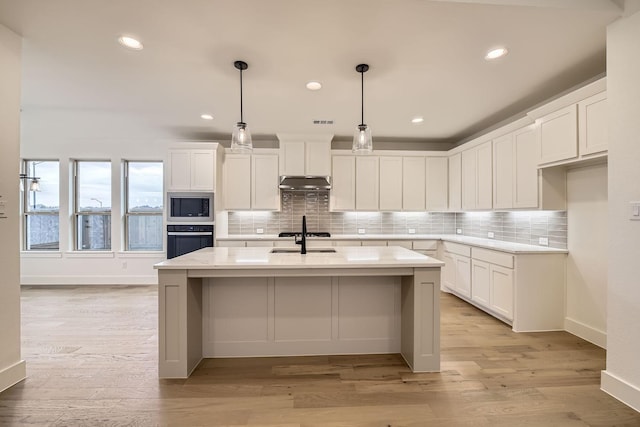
524,290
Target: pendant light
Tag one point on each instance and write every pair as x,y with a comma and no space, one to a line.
33,186
241,137
362,142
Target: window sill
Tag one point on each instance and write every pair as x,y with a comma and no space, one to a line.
40,254
141,254
89,254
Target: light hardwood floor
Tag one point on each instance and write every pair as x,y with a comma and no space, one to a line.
91,359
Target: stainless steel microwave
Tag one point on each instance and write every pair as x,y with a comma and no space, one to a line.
188,207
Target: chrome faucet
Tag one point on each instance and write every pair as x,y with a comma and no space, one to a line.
303,240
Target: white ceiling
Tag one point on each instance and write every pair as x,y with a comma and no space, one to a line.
426,59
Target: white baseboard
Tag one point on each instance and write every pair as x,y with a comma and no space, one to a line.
586,332
12,375
90,280
620,389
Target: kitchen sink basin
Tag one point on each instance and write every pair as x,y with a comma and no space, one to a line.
297,250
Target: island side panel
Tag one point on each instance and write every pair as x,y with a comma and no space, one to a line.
179,324
421,320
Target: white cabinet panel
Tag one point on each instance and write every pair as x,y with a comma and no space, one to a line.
480,278
191,169
318,158
202,170
305,155
367,183
264,182
525,147
559,135
413,184
503,185
343,188
593,122
455,182
179,170
302,308
463,275
485,176
237,181
469,179
436,184
501,280
449,271
292,158
390,183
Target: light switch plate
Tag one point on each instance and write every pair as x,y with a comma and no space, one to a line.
458,230
360,230
259,230
490,234
544,241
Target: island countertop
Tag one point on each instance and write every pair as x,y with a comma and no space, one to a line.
262,258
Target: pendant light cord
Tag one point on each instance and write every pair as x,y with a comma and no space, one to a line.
362,97
241,120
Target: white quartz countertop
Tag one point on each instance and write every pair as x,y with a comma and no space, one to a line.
367,257
498,245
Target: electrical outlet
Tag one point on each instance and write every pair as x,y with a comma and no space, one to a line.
259,230
544,241
490,234
360,230
412,231
458,230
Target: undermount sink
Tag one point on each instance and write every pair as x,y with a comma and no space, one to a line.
297,250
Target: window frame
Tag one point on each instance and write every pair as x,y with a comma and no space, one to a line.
128,214
76,204
26,212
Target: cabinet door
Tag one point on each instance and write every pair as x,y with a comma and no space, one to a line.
367,183
413,183
469,177
503,172
343,188
501,290
463,275
592,122
455,182
484,176
559,135
525,147
436,184
237,181
264,182
449,271
480,287
292,158
390,183
318,158
202,170
179,170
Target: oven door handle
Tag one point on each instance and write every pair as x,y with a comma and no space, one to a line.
189,233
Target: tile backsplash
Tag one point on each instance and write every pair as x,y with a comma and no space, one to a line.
518,226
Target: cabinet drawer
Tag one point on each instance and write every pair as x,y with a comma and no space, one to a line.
347,243
493,257
402,243
427,245
374,243
456,248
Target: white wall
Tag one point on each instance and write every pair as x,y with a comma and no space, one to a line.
587,217
12,368
89,135
622,376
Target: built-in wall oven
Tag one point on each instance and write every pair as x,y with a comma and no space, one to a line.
187,207
185,238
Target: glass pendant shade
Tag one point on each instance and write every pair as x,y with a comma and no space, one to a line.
362,142
241,139
35,185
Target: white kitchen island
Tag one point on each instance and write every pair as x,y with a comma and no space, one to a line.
243,302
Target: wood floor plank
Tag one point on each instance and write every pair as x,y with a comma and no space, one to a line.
92,360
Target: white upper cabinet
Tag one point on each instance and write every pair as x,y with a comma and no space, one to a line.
515,172
559,135
251,182
455,182
477,181
265,194
342,196
592,124
390,183
192,169
413,184
367,194
305,155
436,184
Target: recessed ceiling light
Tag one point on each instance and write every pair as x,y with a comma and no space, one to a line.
130,42
417,120
314,86
206,116
496,53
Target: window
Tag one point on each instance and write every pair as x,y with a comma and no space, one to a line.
92,205
143,206
41,205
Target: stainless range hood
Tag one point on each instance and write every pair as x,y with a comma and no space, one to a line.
305,183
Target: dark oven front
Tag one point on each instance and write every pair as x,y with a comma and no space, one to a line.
183,238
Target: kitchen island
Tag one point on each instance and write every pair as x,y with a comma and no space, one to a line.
241,302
